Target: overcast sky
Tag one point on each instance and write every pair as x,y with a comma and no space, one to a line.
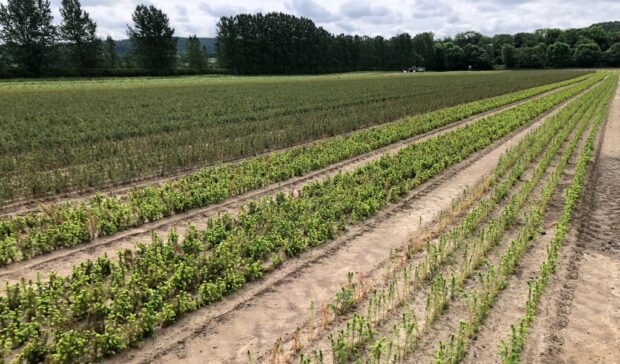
367,17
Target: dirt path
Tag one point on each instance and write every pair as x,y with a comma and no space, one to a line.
21,207
510,305
455,311
579,316
62,261
255,317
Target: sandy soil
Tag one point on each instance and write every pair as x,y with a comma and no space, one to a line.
62,261
516,293
579,315
254,318
510,305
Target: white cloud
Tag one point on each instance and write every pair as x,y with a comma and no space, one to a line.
313,10
388,17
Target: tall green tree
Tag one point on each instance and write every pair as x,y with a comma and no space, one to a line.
532,57
588,55
152,37
558,55
277,43
612,55
127,60
467,38
196,54
498,42
548,35
402,53
509,56
80,33
477,57
440,55
569,36
27,32
526,40
454,56
3,57
423,47
111,56
598,36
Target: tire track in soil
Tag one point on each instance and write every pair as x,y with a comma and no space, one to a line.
22,207
579,315
63,260
510,304
254,317
416,303
480,347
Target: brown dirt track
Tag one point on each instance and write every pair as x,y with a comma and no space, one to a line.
579,316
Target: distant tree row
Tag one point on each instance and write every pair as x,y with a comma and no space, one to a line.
277,43
29,40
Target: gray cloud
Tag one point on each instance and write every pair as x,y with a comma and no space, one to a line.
219,11
313,10
387,18
356,9
431,8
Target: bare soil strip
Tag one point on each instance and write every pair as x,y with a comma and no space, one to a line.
62,261
22,207
507,306
255,317
417,303
579,314
510,305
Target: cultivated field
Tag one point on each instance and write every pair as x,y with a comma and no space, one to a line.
72,136
371,218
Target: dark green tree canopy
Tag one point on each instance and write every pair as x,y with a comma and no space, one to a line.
276,43
152,38
526,40
532,57
423,47
558,55
498,42
612,55
454,56
509,56
196,54
610,26
80,33
548,35
588,55
477,57
111,56
467,38
280,43
27,32
403,54
77,26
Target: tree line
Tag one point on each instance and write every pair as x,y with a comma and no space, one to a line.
31,43
278,43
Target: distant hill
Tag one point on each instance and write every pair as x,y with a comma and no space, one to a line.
124,45
609,26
